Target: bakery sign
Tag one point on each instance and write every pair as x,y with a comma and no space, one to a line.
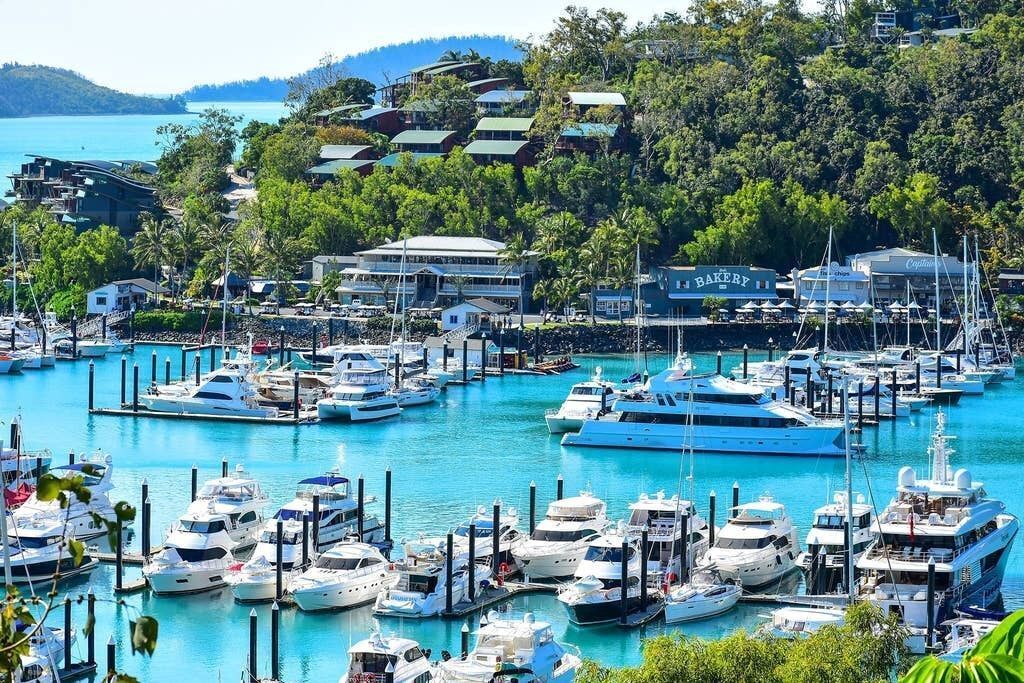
722,277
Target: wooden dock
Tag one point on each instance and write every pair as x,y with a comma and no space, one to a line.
644,616
76,671
305,416
493,595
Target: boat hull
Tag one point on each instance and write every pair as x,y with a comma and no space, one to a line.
183,581
600,612
811,440
343,595
186,406
327,409
704,608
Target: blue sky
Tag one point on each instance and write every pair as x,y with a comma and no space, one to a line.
157,46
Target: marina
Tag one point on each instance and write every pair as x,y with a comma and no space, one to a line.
416,445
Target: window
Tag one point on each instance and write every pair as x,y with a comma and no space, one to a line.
212,395
559,536
337,563
247,518
202,527
453,319
224,379
190,555
101,301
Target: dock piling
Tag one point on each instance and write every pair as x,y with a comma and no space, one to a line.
860,405
559,488
195,482
119,558
195,363
448,566
167,370
643,566
465,360
483,357
135,387
92,384
67,632
878,394
828,396
464,639
785,378
253,677
718,364
624,584
305,539
111,657
145,518
746,356
71,457
152,367
360,508
810,392
496,538
91,638
501,352
444,356
279,562
295,396
316,523
471,579
917,377
711,519
893,390
224,467
387,505
398,371
124,373
425,360
931,599
735,494
183,360
213,357
74,335
280,346
275,637
533,506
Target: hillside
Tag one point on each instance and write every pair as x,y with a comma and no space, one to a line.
374,65
34,90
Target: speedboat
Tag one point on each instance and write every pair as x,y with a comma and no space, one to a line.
705,595
948,520
361,394
595,596
421,590
586,400
709,413
560,540
803,622
230,390
386,659
757,546
198,552
827,537
510,649
347,575
256,580
93,348
416,391
664,518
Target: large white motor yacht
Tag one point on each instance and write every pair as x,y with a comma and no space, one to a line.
560,540
229,390
948,520
421,588
199,549
827,537
256,580
726,416
386,659
510,538
586,401
510,649
39,530
663,517
347,575
757,546
361,394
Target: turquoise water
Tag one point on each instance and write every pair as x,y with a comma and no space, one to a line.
482,441
104,137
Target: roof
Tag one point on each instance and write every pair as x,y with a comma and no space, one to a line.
333,167
485,81
393,159
449,68
328,152
234,280
590,130
504,96
340,109
889,253
439,243
432,66
334,258
422,137
365,114
517,124
142,282
505,148
597,98
488,306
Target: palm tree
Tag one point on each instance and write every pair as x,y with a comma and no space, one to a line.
515,255
459,282
248,253
187,247
563,291
150,246
542,292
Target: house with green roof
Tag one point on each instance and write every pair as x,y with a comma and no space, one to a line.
329,170
506,102
382,120
515,152
424,141
332,152
324,116
503,128
589,137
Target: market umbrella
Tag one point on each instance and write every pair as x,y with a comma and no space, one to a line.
785,305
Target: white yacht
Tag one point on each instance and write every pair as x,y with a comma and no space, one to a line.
560,540
511,649
93,348
229,390
586,401
726,417
19,473
827,537
964,634
347,575
802,622
663,517
705,595
386,659
10,364
256,580
421,590
39,530
510,538
947,519
595,596
199,549
34,669
758,544
360,395
416,391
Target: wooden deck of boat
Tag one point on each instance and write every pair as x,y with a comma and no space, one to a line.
305,416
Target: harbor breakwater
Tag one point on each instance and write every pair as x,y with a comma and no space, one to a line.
570,339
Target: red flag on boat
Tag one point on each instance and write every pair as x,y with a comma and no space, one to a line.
911,519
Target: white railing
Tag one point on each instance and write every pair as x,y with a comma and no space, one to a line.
459,333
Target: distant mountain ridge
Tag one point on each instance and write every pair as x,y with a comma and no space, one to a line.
376,66
36,90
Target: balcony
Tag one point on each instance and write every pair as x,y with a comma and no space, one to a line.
446,269
481,290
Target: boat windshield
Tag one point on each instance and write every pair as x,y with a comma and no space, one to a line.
200,527
587,391
35,541
555,536
372,662
743,543
337,563
229,493
480,531
601,554
200,555
288,538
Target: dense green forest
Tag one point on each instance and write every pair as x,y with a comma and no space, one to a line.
757,130
33,90
377,66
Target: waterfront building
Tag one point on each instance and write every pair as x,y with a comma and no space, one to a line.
474,312
890,271
123,295
686,287
322,265
87,194
506,103
439,271
841,284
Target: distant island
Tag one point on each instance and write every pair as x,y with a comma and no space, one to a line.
376,66
35,90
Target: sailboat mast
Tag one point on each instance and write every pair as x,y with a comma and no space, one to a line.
639,305
224,303
908,311
965,315
14,275
828,285
849,490
938,302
